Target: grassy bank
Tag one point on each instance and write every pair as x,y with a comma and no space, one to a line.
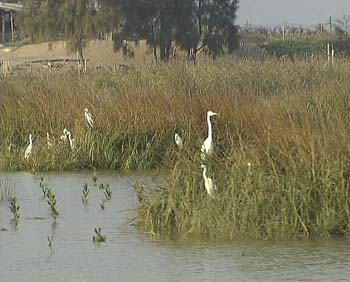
289,119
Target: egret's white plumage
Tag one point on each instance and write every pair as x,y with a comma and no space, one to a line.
49,143
249,168
28,150
71,140
179,141
64,136
208,144
208,182
88,117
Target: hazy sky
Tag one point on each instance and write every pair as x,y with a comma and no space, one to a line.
267,12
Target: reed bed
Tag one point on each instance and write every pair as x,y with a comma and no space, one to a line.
289,119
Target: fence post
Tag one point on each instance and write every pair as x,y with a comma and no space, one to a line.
328,53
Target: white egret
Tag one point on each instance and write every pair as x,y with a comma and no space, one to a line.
249,168
208,182
49,143
179,141
88,117
28,150
64,136
71,140
208,144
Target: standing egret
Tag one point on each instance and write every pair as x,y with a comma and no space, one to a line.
208,144
88,117
28,150
71,140
179,141
49,143
208,182
64,136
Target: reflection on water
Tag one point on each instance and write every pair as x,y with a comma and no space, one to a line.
131,256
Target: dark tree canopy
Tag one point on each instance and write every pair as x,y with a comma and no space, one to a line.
191,24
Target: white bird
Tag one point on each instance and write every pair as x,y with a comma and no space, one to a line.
49,143
28,150
71,140
179,141
64,136
208,182
208,144
88,117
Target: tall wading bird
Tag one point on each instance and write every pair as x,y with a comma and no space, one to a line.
208,182
208,144
88,117
28,150
179,141
70,139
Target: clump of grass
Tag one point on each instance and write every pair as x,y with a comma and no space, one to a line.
276,197
15,209
98,237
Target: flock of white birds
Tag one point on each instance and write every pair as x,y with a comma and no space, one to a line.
207,148
67,135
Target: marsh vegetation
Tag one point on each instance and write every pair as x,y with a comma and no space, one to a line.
288,119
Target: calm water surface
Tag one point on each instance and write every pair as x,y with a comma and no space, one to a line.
131,256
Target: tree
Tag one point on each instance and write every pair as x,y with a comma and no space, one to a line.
192,24
343,24
211,26
70,20
152,20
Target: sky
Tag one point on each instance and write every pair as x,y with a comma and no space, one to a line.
305,12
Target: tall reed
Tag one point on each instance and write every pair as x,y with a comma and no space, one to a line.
289,119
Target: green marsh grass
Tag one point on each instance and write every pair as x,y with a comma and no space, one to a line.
289,119
98,237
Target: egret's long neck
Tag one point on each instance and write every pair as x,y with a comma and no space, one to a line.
205,173
70,139
30,140
210,133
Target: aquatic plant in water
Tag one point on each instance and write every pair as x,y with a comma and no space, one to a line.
52,202
103,204
50,242
108,192
14,208
85,194
98,237
44,187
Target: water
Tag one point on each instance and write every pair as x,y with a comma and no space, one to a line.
131,256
